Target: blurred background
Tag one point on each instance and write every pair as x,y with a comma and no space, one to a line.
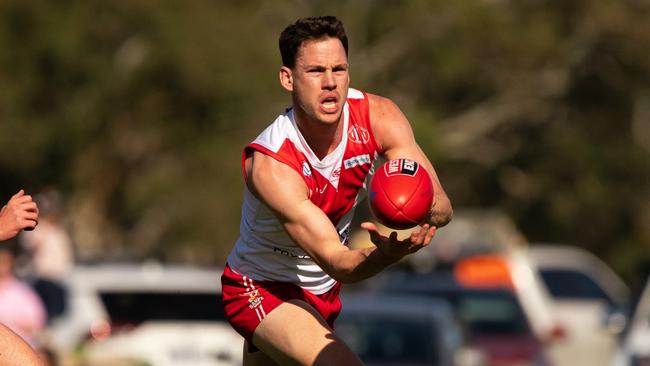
126,121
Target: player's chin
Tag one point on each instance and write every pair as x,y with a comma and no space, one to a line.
329,117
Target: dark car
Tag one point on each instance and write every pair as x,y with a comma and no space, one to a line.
493,319
399,330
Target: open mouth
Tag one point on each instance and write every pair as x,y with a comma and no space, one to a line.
328,104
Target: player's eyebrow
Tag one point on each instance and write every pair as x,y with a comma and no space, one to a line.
318,67
315,67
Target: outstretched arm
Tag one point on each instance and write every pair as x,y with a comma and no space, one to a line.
282,189
20,213
394,134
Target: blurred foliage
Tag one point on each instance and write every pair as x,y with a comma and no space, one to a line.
137,111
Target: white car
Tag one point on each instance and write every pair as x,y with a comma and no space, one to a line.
147,314
588,299
635,346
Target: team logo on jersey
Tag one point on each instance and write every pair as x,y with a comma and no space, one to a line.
358,134
289,253
254,298
356,160
306,170
336,173
401,167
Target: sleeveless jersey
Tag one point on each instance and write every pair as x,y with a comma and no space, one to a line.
264,251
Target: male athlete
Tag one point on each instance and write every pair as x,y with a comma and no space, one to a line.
303,177
20,213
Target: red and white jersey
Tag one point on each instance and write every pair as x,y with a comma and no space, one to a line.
264,251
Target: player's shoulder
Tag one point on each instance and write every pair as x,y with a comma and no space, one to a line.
381,106
389,124
359,94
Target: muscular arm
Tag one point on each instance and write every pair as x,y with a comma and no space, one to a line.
282,189
394,134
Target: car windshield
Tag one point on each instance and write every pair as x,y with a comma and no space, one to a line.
481,310
491,313
389,341
567,284
136,307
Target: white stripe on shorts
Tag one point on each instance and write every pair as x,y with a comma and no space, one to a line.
259,310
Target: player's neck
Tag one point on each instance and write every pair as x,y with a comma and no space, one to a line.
322,138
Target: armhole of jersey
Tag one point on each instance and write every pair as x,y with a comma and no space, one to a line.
250,148
366,105
244,155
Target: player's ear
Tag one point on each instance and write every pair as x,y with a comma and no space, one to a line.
286,78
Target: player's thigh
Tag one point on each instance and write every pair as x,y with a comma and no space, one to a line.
256,358
296,334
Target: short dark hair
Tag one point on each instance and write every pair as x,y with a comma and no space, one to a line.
305,29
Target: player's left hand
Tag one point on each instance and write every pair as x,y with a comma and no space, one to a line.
394,248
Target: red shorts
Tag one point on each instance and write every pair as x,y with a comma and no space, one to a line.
247,301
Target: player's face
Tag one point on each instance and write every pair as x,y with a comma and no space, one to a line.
319,81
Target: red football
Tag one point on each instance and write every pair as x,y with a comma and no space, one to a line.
400,194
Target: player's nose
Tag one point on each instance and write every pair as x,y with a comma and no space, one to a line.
329,82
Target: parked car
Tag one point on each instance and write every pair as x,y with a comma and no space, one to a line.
635,345
492,314
512,269
146,315
492,242
589,300
399,330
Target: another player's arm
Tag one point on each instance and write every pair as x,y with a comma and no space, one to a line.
283,190
394,135
20,213
14,351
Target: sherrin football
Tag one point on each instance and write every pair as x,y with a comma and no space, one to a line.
400,194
